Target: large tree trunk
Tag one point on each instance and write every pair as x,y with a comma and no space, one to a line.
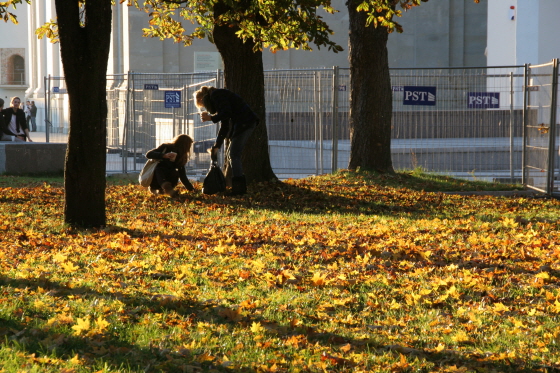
371,95
85,51
244,75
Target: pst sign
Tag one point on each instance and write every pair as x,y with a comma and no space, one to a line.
416,95
483,100
172,99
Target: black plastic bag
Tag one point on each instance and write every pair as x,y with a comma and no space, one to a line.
215,181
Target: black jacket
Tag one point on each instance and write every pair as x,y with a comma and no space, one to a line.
232,111
21,123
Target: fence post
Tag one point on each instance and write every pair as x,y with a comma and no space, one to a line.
511,93
126,127
552,130
335,120
219,78
47,106
131,86
524,132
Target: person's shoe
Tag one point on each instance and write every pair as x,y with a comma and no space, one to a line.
238,186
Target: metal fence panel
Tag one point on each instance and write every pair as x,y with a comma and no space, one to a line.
470,126
539,127
299,118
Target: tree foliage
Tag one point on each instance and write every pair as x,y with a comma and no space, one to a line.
277,25
5,10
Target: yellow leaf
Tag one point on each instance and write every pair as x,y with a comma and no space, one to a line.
60,258
499,308
82,325
532,312
75,360
221,248
453,292
69,267
426,254
319,279
461,336
440,347
543,275
508,222
556,307
101,323
257,328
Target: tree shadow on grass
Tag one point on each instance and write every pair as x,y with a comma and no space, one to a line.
106,348
334,198
162,355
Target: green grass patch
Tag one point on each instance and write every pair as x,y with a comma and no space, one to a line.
351,272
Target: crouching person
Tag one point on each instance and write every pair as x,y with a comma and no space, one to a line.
173,157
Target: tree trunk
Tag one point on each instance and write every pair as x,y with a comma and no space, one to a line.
244,75
371,95
85,51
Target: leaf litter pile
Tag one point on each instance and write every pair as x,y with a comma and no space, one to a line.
338,273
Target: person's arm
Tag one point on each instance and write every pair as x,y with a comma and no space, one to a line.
157,153
4,123
184,179
22,121
27,135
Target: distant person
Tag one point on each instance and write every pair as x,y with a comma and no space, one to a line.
33,112
3,136
14,121
27,111
237,122
174,156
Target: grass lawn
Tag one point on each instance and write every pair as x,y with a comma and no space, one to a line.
353,272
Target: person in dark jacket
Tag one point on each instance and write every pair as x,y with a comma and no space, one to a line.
174,156
14,121
33,112
237,122
3,136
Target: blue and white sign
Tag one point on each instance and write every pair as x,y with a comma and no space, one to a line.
172,99
153,87
417,95
483,100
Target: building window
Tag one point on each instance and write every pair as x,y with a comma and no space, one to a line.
16,70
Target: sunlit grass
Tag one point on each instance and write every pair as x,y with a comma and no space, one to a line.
346,272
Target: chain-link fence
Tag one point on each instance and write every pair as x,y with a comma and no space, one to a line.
541,161
465,122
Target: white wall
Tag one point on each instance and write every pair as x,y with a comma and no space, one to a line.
532,37
14,36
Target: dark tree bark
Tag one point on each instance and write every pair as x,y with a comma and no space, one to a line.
244,75
84,50
371,95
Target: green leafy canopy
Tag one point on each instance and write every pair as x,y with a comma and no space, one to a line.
273,24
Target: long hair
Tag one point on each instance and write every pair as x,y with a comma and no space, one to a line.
202,98
182,144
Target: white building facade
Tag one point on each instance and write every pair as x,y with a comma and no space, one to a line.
523,31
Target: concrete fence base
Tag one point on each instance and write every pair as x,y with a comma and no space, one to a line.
25,158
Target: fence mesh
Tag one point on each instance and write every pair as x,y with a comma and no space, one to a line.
471,126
